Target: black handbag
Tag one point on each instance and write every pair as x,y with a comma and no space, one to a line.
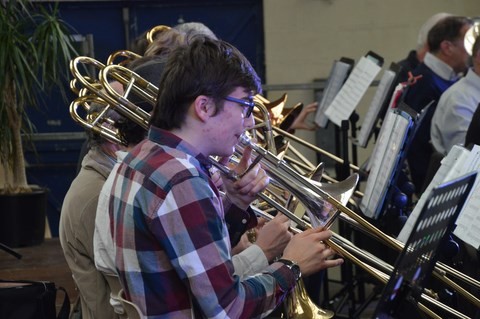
24,299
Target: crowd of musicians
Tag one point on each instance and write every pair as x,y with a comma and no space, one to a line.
152,222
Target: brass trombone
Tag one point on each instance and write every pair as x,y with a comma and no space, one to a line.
97,122
350,251
127,55
316,205
281,172
285,175
154,30
269,126
441,270
272,132
133,82
290,178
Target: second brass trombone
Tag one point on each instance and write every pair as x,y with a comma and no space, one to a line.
280,171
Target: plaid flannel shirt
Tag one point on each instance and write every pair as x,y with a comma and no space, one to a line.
173,251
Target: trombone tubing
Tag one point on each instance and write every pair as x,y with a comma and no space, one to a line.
317,149
369,227
277,167
330,179
336,243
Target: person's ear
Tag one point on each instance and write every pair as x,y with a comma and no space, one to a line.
204,107
446,47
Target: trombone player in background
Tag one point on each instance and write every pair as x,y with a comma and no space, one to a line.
173,250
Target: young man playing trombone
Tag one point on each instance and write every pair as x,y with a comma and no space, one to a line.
173,250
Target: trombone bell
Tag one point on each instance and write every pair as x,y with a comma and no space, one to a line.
300,306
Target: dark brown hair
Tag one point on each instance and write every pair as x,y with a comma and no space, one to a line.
447,29
207,67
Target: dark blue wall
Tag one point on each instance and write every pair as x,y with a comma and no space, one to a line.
114,25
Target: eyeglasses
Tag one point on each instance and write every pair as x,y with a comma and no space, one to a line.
248,105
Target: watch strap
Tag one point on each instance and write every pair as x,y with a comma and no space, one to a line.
293,266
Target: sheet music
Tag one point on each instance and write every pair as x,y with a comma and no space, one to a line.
381,136
468,222
384,161
337,77
352,91
375,158
452,166
474,159
393,104
375,106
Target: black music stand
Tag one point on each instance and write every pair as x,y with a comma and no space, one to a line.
10,251
416,261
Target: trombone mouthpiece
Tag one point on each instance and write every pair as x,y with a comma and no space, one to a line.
244,139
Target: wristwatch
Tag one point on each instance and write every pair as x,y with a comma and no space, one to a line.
293,266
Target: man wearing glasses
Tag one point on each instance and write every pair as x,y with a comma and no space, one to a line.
173,249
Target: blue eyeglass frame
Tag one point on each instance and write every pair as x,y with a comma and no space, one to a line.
250,104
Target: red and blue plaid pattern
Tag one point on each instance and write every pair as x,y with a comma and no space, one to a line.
173,250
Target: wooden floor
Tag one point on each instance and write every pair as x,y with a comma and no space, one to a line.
44,262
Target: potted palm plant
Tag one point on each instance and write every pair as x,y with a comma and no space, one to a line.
35,48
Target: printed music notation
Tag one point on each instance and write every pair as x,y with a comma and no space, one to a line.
352,91
383,161
373,164
454,165
338,74
375,106
468,222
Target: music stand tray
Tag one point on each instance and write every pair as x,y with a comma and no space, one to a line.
417,260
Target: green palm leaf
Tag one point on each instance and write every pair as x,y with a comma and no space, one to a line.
35,49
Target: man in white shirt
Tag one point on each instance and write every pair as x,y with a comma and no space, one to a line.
456,107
